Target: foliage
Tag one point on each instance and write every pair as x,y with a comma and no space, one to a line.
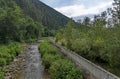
50,49
48,59
2,71
69,31
64,69
42,13
7,54
15,25
96,43
116,11
57,65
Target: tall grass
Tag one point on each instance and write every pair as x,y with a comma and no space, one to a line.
7,54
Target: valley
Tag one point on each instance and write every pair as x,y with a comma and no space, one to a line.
38,42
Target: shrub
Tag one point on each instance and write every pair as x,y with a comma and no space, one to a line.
48,59
81,46
2,70
47,48
7,54
56,64
64,69
2,62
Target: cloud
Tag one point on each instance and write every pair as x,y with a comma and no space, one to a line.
82,9
58,3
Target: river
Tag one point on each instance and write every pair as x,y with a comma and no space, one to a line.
33,68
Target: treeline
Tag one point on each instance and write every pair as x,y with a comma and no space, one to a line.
15,25
56,64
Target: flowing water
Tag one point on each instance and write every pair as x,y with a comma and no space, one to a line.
33,65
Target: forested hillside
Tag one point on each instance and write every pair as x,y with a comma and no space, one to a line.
15,25
27,19
42,13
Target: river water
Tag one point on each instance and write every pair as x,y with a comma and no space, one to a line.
33,68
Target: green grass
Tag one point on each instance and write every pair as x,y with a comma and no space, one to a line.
7,54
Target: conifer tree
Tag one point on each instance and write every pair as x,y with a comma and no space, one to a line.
116,11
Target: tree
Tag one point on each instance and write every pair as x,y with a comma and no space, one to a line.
86,21
79,21
116,11
68,32
100,20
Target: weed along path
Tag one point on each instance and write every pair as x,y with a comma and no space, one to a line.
29,64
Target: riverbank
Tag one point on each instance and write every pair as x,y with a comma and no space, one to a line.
27,65
15,68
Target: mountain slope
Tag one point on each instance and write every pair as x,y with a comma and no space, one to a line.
43,13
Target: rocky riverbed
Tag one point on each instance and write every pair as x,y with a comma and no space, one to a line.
27,65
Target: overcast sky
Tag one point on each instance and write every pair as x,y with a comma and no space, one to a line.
75,8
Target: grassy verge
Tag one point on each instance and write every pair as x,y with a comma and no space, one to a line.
7,54
56,64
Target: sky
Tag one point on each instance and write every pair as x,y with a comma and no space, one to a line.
76,8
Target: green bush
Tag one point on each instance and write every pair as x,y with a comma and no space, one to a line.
2,70
56,64
48,53
47,48
14,48
2,62
7,54
48,59
64,69
81,45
